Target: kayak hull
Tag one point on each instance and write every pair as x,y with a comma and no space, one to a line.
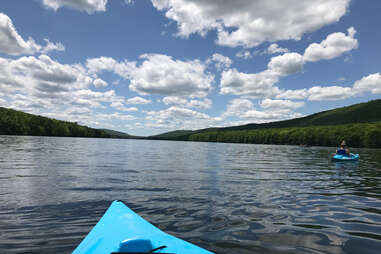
122,230
350,157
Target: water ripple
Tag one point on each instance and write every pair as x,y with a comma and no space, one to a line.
228,198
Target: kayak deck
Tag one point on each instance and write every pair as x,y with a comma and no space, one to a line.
122,230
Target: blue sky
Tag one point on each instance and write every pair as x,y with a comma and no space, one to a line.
149,66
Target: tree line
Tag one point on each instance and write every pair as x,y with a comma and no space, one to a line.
14,122
356,135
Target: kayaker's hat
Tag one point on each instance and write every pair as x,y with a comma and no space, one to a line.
343,143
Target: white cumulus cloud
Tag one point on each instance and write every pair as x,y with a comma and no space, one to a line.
259,85
162,75
203,104
138,100
159,74
100,64
176,117
221,62
12,43
257,116
120,106
333,46
89,6
238,107
318,93
248,23
274,110
274,49
262,84
51,46
99,82
245,54
182,102
115,116
286,64
370,83
298,94
280,104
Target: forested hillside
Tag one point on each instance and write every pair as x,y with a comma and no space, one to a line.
359,125
117,134
357,113
173,135
356,135
13,122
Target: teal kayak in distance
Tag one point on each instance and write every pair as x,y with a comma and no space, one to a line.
344,157
121,230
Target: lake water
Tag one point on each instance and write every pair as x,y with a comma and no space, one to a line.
228,198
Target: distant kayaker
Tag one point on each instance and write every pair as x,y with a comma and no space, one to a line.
343,149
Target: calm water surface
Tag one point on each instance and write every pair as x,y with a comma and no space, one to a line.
228,198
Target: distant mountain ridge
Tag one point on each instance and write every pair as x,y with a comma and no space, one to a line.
358,123
117,134
14,122
172,134
358,113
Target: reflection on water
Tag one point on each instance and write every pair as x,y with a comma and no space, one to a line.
228,198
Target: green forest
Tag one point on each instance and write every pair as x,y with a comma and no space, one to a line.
356,135
359,125
358,113
13,122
